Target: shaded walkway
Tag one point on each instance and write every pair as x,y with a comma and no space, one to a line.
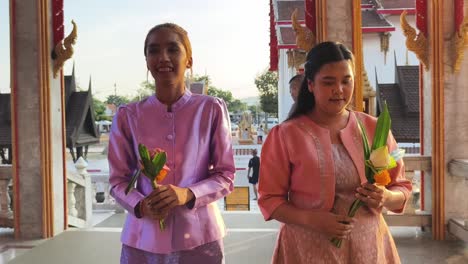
250,241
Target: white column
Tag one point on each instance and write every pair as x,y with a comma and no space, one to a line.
284,75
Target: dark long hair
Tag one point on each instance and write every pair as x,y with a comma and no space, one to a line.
176,29
321,54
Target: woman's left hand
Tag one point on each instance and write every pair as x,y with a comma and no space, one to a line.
373,196
166,197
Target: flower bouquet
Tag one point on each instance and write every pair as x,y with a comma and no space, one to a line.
377,159
153,166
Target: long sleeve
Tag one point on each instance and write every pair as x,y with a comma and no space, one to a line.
122,161
220,180
274,182
397,174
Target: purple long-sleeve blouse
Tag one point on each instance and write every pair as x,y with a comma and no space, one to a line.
196,136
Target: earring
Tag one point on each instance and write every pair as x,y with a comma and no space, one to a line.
147,71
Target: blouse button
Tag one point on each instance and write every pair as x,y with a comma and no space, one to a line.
169,137
168,115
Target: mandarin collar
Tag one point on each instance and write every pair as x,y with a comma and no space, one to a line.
177,105
308,120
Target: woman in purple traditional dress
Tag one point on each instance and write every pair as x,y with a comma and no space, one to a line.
194,130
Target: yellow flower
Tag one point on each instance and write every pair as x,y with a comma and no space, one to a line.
380,157
382,178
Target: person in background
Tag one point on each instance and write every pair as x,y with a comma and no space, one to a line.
254,165
194,131
294,87
313,169
260,134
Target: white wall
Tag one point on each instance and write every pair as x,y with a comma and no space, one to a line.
375,59
284,75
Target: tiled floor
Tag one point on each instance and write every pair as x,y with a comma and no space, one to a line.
249,240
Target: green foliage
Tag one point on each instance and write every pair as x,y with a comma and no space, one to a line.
383,128
203,78
267,85
233,105
99,109
225,95
146,89
117,100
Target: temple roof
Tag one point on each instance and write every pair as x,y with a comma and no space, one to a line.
373,22
5,120
286,35
284,9
402,98
371,3
398,4
80,122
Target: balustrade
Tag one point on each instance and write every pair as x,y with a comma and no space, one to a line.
6,213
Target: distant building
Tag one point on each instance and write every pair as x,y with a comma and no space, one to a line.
198,88
5,129
80,120
81,130
381,34
110,111
402,97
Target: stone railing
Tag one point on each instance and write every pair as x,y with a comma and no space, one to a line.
79,195
6,212
102,200
242,154
459,226
412,217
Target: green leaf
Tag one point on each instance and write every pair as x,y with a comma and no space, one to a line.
131,184
382,129
158,162
365,141
146,160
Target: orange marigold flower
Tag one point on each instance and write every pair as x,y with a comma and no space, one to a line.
162,174
382,178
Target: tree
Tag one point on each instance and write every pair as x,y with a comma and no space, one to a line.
233,105
99,109
203,78
117,100
146,89
267,85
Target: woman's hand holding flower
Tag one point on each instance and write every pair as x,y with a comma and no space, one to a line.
150,211
330,224
166,197
374,196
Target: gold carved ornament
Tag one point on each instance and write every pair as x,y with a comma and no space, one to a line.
416,43
461,42
305,39
385,44
64,51
296,58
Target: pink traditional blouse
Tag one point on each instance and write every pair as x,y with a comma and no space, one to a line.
297,164
196,137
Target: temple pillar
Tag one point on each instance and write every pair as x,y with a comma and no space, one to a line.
444,99
451,106
340,20
37,123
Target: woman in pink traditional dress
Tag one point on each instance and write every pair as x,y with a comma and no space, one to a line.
312,169
194,130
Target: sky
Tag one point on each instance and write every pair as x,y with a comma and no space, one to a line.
229,41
